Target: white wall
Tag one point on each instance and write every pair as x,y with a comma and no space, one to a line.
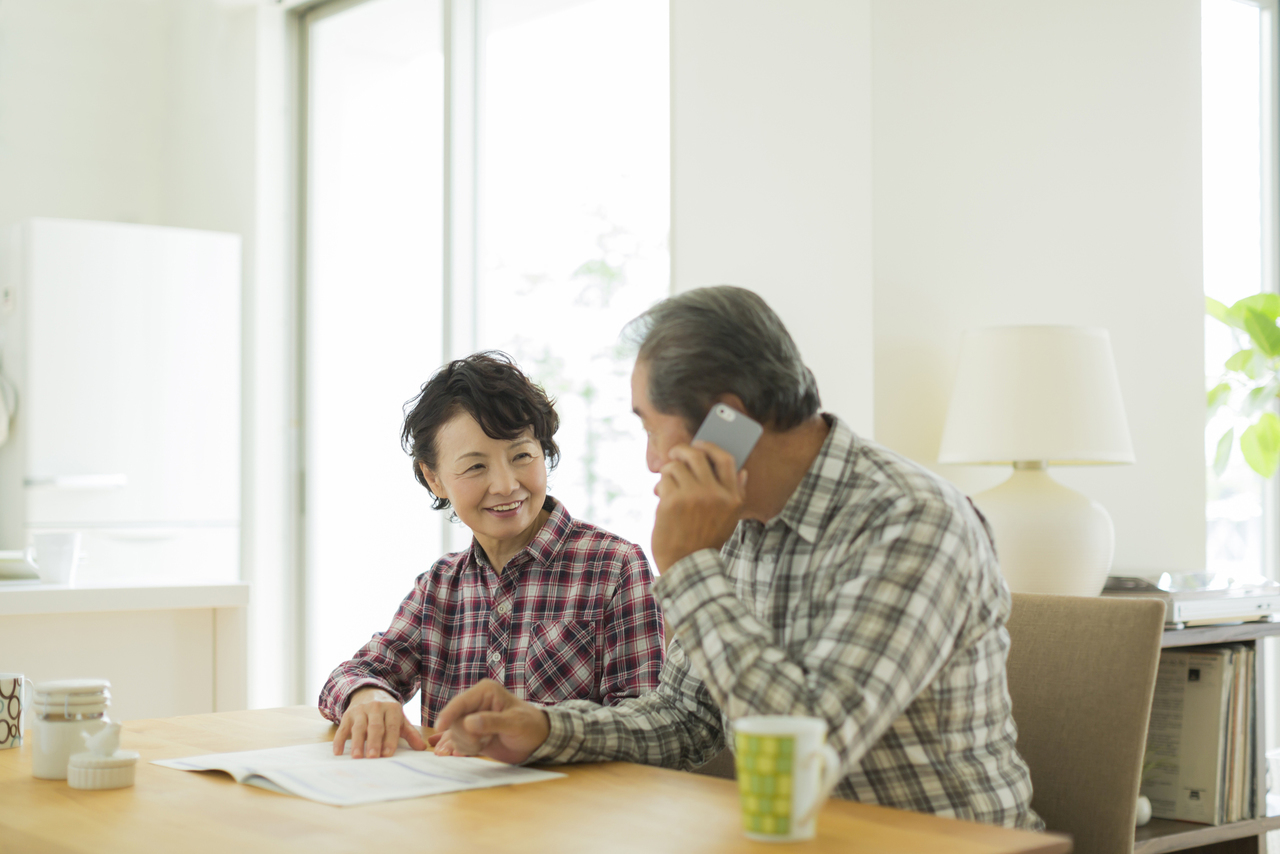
1031,162
128,110
209,74
1040,163
82,99
771,172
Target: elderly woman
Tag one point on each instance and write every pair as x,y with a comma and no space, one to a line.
553,608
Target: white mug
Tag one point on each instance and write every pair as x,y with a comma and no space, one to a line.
57,553
786,771
12,706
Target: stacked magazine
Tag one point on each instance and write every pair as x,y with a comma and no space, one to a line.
1201,742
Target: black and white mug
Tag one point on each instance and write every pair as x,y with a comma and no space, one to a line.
12,703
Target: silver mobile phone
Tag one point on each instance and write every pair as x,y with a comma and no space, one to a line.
729,429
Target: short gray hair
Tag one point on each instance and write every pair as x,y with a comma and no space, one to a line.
707,342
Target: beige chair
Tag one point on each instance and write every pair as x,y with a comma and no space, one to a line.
720,765
1081,674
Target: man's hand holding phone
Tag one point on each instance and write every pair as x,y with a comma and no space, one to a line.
702,490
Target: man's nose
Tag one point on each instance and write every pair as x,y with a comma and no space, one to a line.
651,458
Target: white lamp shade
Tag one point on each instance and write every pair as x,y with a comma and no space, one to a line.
1047,393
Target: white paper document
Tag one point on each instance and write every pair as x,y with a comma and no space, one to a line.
312,771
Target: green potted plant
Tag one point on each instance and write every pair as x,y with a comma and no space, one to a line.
1250,382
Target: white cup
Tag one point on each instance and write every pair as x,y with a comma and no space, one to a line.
57,554
786,771
12,705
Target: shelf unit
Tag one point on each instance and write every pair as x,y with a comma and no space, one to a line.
1241,837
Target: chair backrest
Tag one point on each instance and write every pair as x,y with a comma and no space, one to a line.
1081,674
720,765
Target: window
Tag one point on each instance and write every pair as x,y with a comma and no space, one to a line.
573,221
479,175
1238,242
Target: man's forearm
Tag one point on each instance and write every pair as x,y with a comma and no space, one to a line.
675,726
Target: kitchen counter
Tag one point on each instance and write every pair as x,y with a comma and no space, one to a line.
23,597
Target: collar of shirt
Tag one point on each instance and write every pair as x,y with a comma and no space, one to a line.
545,544
806,511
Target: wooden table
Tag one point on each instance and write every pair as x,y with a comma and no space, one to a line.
597,809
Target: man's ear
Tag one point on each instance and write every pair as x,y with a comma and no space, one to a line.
437,488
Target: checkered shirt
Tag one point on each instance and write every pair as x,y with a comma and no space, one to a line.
569,617
873,601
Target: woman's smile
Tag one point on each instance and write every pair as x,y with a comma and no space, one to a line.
506,511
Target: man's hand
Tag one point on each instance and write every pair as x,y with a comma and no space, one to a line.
374,721
489,720
700,499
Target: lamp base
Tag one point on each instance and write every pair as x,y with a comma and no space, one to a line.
1049,538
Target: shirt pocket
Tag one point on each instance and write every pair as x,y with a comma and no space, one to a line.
561,663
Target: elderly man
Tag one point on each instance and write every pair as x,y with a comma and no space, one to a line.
829,577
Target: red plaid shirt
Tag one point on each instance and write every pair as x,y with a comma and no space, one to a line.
570,617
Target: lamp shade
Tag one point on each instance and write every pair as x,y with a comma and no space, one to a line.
1046,393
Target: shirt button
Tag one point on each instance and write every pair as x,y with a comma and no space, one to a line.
494,658
504,609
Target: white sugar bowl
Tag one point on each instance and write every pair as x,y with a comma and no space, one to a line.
104,765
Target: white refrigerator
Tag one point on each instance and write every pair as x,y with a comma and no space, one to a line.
123,344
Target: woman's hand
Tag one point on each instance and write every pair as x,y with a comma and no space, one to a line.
375,721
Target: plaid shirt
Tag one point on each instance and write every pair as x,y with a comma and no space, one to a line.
873,601
569,617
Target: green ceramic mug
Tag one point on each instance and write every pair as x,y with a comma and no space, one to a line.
785,773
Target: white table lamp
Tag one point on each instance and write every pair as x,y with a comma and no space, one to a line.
1031,397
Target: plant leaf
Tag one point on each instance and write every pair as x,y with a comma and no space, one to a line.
1238,360
1216,310
1223,454
1263,331
1235,316
1246,361
1260,444
1257,400
1217,396
1267,304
